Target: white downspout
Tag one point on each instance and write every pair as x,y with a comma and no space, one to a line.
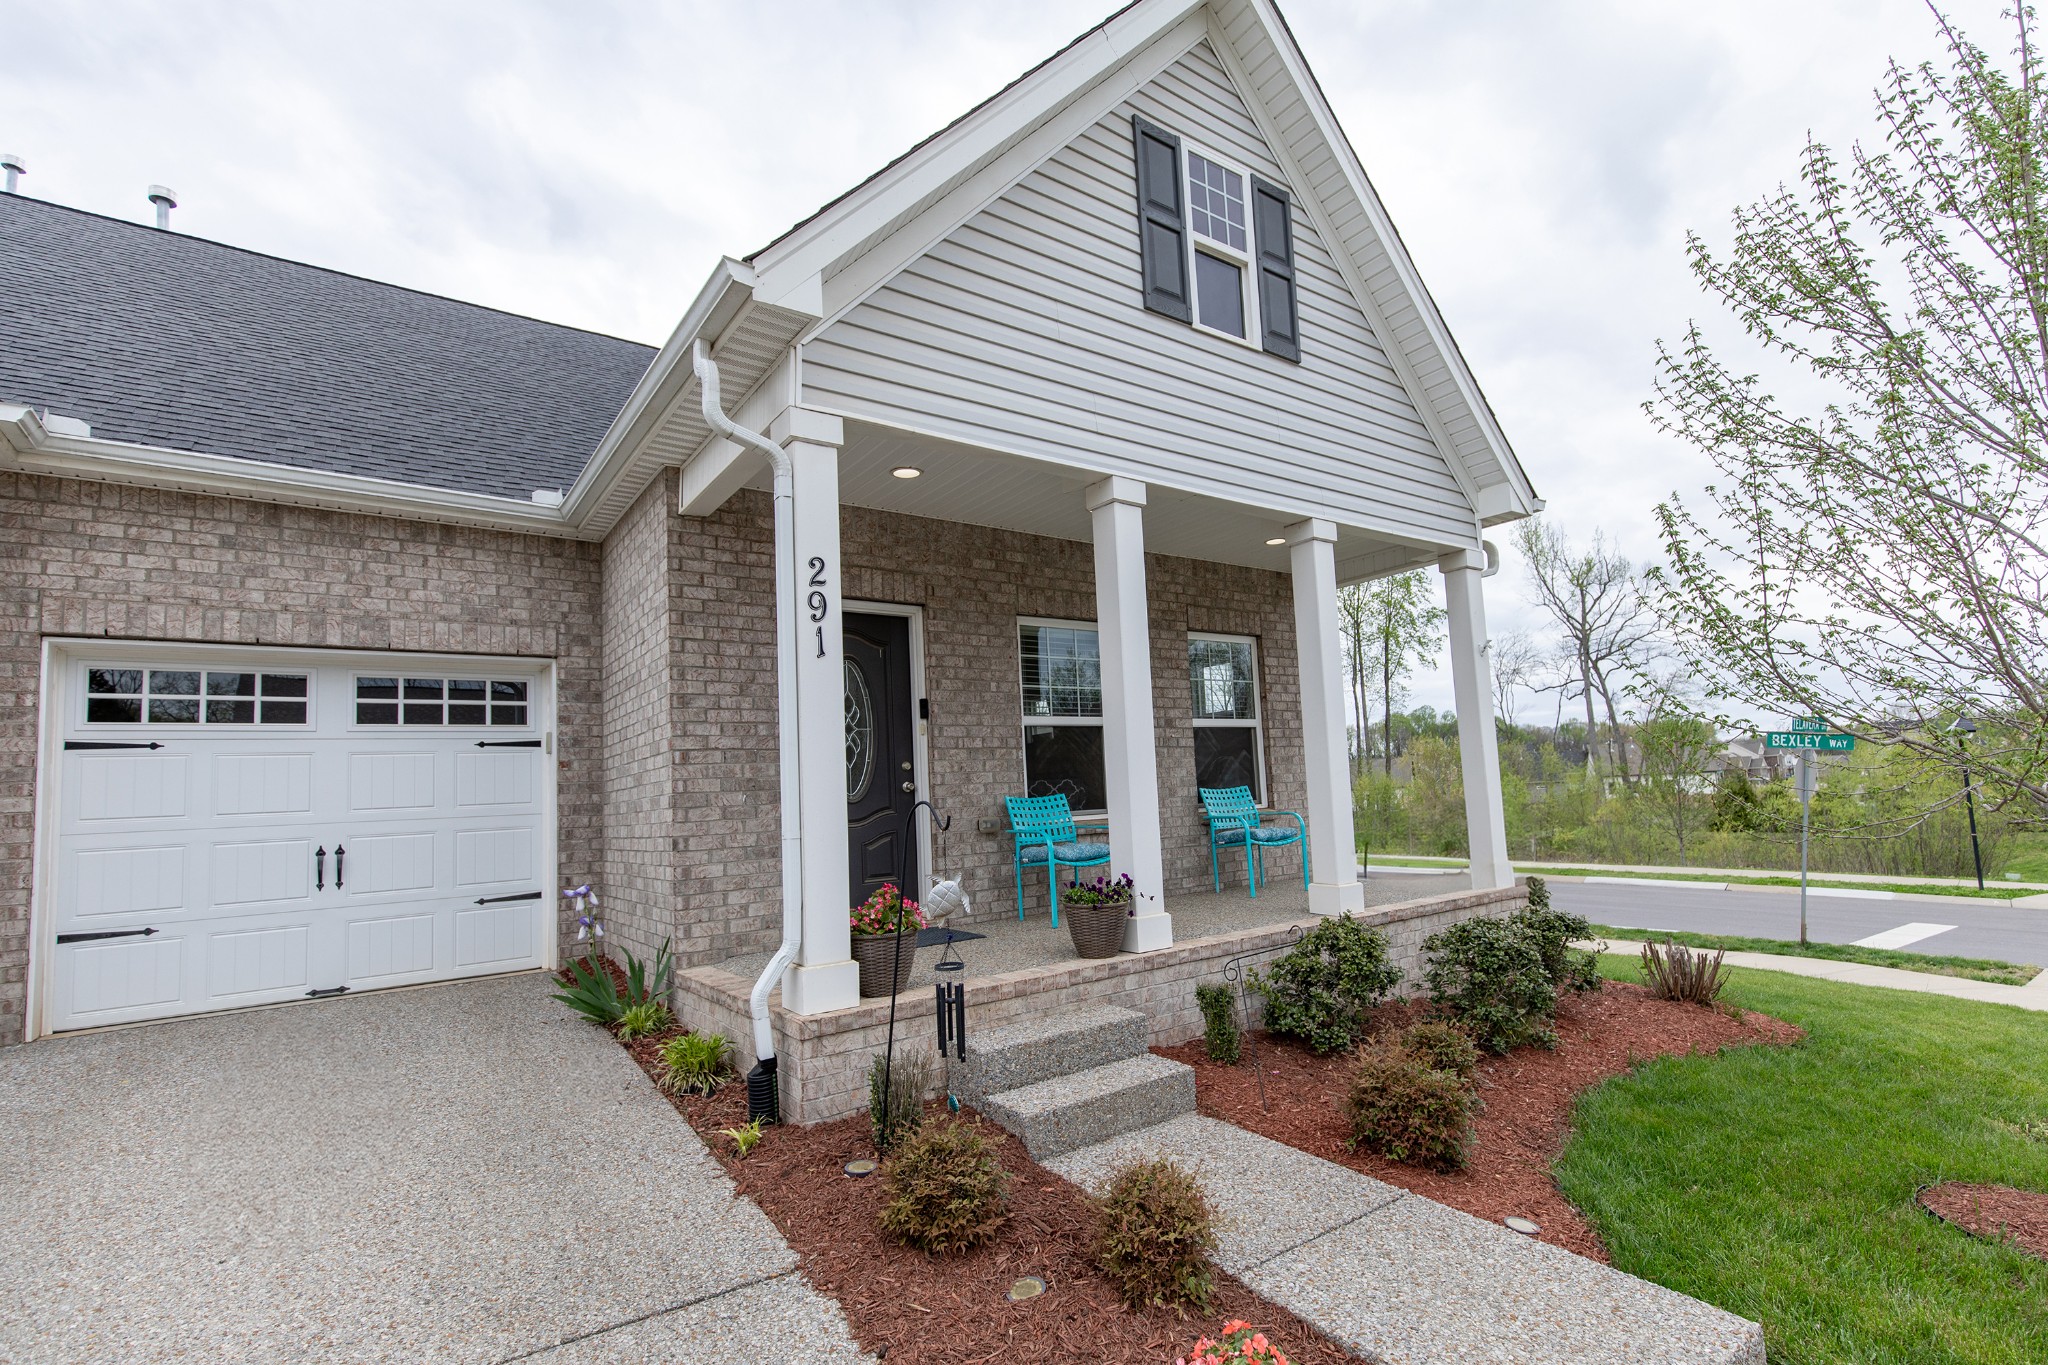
786,624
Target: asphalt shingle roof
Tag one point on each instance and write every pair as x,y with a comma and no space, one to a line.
167,340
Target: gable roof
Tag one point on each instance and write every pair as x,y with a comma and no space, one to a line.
160,339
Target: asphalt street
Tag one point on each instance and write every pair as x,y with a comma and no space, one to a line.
1977,928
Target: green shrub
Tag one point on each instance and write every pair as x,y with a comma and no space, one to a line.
1571,969
1442,1047
696,1063
1489,975
1406,1110
909,1077
1219,1022
1153,1236
1321,991
637,1021
944,1190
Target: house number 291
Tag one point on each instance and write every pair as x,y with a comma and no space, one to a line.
818,602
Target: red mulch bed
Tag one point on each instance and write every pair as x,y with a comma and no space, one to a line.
1528,1096
1997,1212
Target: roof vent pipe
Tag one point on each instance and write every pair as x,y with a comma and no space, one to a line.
11,163
165,198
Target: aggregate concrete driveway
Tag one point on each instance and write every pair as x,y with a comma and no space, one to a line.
460,1173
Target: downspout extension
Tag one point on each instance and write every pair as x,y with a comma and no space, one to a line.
761,1082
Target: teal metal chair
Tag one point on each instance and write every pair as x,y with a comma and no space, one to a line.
1235,821
1043,827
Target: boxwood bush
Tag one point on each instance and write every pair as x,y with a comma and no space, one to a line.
1490,976
1322,990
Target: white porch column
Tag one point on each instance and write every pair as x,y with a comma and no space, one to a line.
1486,827
1130,759
1334,887
824,976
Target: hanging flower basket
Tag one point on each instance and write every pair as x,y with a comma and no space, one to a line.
884,967
1095,913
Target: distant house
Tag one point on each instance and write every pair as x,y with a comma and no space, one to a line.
1749,757
348,623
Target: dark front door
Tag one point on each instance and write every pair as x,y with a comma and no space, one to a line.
881,775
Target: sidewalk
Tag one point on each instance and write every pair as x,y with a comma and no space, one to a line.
2032,996
2025,895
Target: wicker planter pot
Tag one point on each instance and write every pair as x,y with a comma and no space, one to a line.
1097,930
875,953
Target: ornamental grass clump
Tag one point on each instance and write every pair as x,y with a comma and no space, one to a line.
1489,975
1322,990
908,1077
1219,1023
638,1021
696,1063
1406,1110
1154,1234
1676,972
944,1190
1442,1047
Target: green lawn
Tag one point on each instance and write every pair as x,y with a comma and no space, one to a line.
1778,1182
1975,968
1997,891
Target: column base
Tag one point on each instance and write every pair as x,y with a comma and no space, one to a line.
1490,876
1336,898
822,988
1148,933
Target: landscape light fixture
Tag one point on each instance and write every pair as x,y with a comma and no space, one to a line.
1962,729
906,471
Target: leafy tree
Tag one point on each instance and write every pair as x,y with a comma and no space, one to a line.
1677,743
1399,631
1874,554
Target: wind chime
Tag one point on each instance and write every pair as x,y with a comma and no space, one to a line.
945,899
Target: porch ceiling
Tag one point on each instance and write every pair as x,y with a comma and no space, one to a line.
983,487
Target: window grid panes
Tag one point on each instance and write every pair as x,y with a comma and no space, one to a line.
1060,666
1216,202
194,696
1224,695
411,700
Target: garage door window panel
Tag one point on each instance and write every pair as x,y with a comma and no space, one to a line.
466,702
192,696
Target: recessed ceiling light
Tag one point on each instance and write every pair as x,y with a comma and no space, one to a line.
906,471
1277,540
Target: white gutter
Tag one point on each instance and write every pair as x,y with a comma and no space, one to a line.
786,624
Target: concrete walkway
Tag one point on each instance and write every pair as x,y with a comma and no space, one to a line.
460,1173
1404,1280
2032,996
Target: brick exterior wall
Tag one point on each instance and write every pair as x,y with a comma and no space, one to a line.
79,559
823,1059
972,582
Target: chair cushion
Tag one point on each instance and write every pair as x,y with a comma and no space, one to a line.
1066,853
1265,834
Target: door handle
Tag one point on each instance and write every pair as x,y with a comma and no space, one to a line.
320,868
910,786
339,854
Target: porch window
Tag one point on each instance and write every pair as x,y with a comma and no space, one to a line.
1060,663
1223,676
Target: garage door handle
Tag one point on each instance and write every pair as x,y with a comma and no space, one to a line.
320,868
339,854
105,933
508,744
108,744
522,896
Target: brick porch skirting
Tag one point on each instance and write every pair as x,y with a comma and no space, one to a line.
824,1057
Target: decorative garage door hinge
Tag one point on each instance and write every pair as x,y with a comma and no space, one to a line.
508,744
105,933
522,896
326,991
109,744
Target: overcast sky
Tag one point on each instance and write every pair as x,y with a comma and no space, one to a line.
588,162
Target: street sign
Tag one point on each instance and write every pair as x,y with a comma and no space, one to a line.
1793,739
1812,725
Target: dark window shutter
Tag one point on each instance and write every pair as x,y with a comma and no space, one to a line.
1162,222
1273,225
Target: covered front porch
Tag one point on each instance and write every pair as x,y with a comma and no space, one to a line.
978,553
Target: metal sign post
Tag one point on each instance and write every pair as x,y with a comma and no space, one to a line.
1807,737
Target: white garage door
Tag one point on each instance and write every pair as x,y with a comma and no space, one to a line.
237,829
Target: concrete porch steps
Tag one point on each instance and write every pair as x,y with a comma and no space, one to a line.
1073,1079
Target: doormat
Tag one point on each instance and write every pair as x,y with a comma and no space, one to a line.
933,938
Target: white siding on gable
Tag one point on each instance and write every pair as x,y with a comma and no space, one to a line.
1024,330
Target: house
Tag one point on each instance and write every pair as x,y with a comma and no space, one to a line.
347,623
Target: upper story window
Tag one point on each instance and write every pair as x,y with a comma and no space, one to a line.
1215,243
193,696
